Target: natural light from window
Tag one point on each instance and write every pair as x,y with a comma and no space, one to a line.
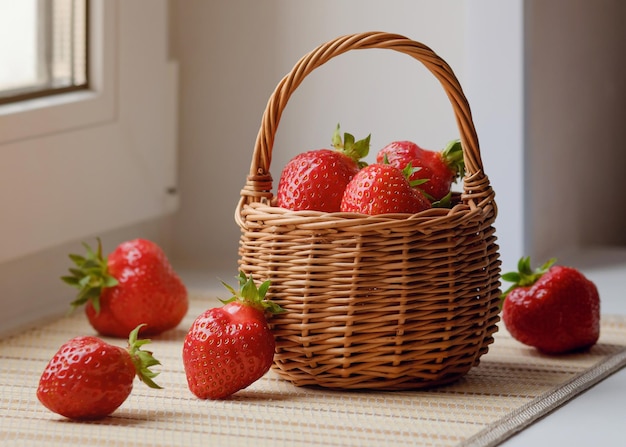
43,47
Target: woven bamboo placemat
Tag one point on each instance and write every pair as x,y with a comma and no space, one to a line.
512,387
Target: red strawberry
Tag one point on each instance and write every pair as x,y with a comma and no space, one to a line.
89,379
134,285
315,180
382,189
440,168
553,308
230,347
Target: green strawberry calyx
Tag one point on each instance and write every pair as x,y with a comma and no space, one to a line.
408,171
452,156
525,276
444,202
251,295
90,277
356,150
143,360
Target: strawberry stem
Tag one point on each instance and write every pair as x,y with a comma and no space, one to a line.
89,276
525,276
252,295
143,360
356,150
452,156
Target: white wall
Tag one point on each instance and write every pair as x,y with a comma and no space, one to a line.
495,87
232,55
575,113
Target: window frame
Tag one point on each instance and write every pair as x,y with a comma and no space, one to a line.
44,87
73,109
80,164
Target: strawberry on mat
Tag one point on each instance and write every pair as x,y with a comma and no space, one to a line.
134,285
89,379
230,347
554,308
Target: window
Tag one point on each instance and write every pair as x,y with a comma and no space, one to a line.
43,48
63,156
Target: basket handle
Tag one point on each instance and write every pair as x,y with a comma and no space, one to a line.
259,181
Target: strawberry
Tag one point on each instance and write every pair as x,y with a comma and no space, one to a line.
382,189
230,347
441,168
554,308
316,179
134,285
89,379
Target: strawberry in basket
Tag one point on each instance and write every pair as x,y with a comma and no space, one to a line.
316,179
382,189
441,168
134,285
554,308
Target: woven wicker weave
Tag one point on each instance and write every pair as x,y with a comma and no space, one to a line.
374,302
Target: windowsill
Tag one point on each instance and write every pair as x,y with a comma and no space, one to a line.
47,101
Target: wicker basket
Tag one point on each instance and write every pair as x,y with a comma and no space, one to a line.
374,302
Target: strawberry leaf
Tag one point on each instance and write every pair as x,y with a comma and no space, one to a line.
444,202
511,277
90,275
452,156
77,259
72,281
336,139
348,139
407,172
263,289
356,150
525,276
249,292
252,295
143,360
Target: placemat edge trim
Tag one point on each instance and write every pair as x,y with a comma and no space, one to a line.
541,406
